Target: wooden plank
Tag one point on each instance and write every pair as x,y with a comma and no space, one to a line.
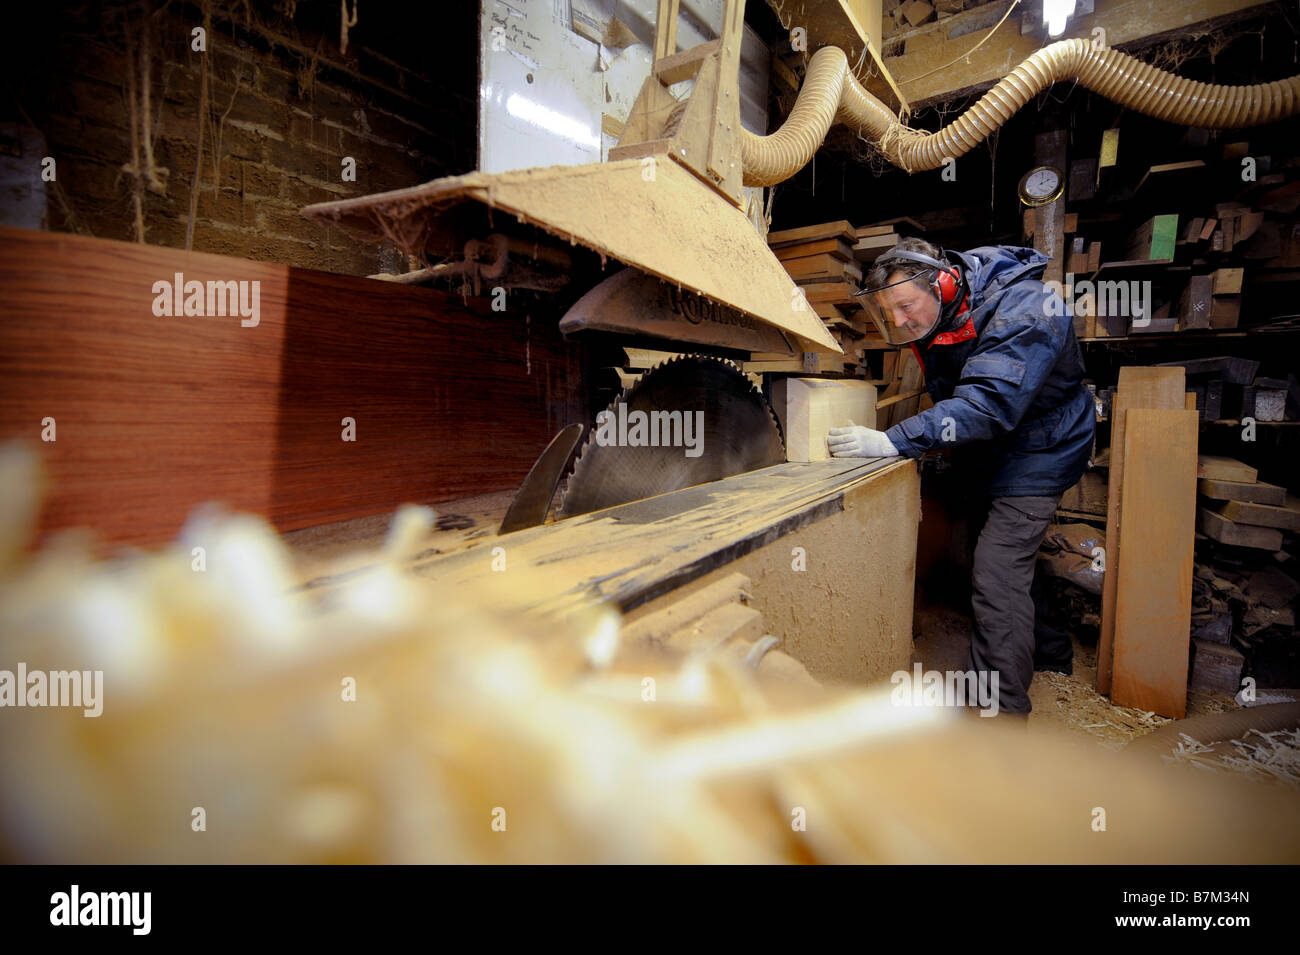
835,292
1241,535
1255,492
156,415
1219,468
809,233
1285,517
871,247
1154,593
800,250
867,231
814,266
1138,388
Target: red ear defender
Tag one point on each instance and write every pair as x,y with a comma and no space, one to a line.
945,285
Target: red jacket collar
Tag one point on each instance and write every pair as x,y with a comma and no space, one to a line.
963,334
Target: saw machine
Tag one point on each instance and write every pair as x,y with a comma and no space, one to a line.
699,279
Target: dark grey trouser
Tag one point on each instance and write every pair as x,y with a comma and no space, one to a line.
1003,573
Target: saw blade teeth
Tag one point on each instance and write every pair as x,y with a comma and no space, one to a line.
735,383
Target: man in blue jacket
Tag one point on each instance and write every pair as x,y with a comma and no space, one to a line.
1005,371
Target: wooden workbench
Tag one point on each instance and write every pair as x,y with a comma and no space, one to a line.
829,546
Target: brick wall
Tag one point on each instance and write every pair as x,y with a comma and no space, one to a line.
285,106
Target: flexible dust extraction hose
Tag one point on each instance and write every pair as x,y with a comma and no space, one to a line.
830,93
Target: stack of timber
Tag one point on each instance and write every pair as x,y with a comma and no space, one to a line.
828,261
1243,624
1214,238
1239,510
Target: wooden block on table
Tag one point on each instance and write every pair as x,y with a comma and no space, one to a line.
871,230
808,233
1071,222
1153,607
1285,517
809,407
1216,468
1094,257
828,312
1254,492
1208,228
1225,531
1216,667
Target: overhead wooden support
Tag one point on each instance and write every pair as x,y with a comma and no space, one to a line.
1124,22
853,26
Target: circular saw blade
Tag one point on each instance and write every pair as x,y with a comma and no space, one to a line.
636,454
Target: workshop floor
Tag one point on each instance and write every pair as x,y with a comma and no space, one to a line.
1060,702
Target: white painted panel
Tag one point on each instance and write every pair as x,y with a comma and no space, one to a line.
545,87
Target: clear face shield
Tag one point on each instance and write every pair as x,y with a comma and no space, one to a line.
902,311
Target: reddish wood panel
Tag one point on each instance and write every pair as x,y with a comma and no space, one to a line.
155,415
1153,605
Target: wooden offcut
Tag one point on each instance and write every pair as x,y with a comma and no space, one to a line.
1153,608
1256,492
1216,667
1218,468
840,229
809,407
1286,517
1138,388
1226,531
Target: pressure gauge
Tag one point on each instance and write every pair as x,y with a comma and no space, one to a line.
1041,185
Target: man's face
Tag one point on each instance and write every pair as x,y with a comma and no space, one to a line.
909,307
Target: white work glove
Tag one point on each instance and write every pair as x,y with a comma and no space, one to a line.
855,441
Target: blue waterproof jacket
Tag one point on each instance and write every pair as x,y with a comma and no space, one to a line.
1010,401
